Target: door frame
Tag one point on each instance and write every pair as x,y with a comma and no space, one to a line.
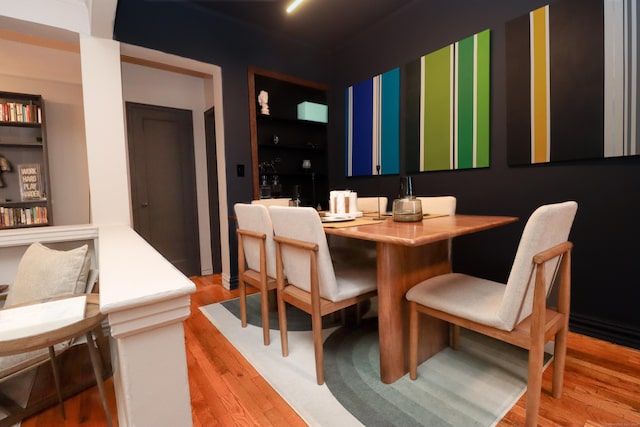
212,77
212,185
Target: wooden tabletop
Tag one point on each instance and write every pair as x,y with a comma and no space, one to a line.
422,232
92,318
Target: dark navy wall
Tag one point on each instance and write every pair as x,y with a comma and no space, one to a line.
187,30
606,231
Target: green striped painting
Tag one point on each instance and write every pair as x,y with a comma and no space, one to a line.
447,107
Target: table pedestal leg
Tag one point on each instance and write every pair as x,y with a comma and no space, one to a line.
400,268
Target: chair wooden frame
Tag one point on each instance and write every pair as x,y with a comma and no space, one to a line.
258,279
309,302
532,333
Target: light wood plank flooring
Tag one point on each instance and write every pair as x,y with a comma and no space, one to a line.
601,385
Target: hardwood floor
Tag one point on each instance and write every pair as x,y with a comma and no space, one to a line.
601,383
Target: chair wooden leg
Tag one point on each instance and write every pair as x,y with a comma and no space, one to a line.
559,359
413,341
242,288
56,379
534,384
264,302
316,325
97,370
282,318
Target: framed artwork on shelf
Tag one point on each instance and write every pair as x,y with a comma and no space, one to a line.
31,186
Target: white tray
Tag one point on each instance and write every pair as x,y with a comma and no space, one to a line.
344,216
336,219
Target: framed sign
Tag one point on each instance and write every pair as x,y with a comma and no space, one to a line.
30,182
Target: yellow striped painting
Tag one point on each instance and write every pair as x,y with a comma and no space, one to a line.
540,117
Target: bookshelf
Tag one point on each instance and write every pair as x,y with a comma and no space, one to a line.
282,145
24,175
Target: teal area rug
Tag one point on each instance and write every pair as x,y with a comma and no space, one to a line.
297,320
473,386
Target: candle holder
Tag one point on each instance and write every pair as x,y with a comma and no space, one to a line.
306,166
406,208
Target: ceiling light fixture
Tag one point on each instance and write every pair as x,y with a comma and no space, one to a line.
293,5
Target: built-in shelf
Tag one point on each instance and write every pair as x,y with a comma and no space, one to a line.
24,172
280,142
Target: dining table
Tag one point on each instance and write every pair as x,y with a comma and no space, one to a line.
406,254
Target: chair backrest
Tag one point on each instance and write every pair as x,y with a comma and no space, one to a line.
548,226
304,224
44,272
281,201
370,204
255,217
438,205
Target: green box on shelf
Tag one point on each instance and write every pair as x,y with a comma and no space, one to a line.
313,112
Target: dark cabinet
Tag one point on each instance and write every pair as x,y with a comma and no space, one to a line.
289,154
24,175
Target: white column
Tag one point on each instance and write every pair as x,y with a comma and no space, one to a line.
145,297
105,131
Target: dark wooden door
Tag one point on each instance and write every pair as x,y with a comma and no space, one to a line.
212,179
163,185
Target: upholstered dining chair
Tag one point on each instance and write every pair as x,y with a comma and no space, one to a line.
438,204
515,312
313,284
279,201
256,259
368,205
344,247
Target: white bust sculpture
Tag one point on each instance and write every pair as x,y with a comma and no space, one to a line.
263,99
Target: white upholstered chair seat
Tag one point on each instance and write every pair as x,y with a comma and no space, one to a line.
354,281
465,296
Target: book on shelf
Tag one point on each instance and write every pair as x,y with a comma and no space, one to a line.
17,112
14,216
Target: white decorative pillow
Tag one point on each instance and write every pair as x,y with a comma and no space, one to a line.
44,272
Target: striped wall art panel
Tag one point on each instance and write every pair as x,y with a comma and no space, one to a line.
447,107
572,82
373,126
